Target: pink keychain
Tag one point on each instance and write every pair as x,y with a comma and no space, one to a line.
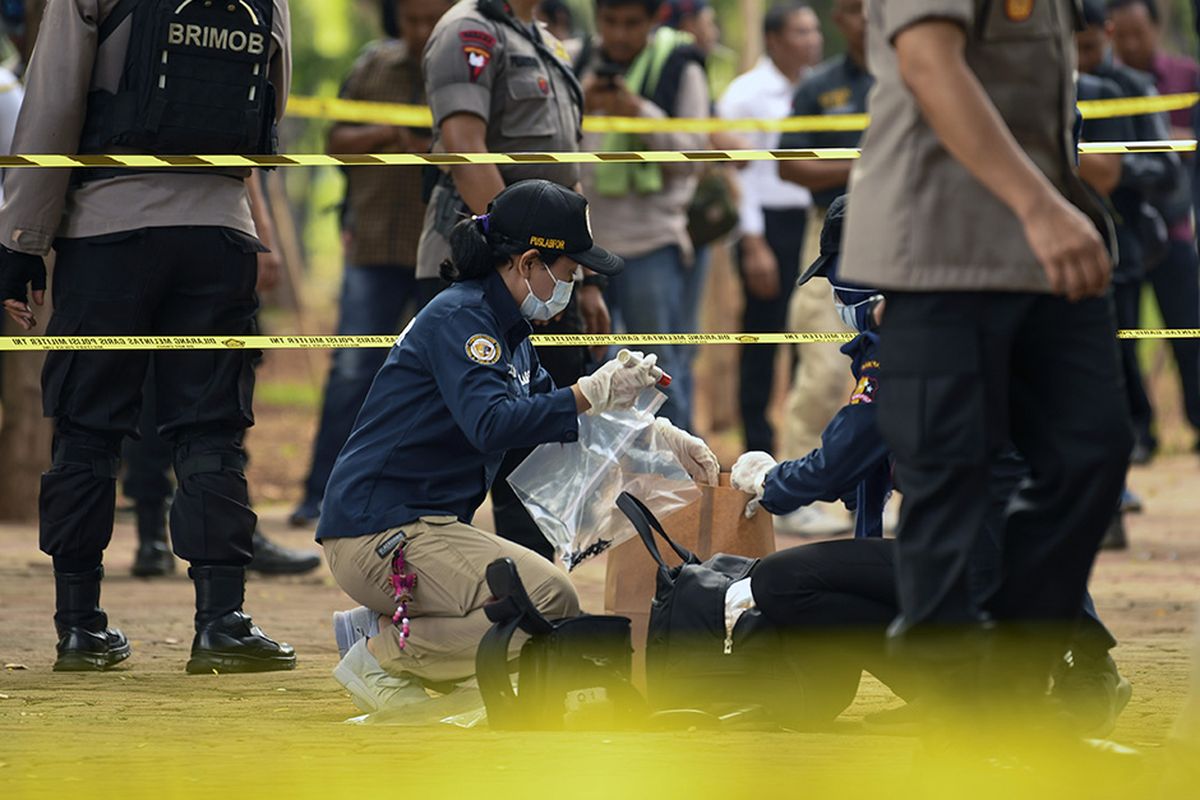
403,585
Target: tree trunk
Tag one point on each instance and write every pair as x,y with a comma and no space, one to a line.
24,434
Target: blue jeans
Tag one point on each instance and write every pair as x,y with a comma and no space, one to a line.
1176,282
373,302
651,297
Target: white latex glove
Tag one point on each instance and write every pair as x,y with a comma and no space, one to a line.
749,473
692,452
618,382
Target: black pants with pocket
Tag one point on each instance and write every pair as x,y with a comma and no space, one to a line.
963,373
784,232
183,281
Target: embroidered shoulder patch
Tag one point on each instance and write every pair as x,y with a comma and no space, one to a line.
483,349
864,392
477,49
478,38
477,61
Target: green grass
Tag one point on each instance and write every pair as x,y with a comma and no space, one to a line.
288,394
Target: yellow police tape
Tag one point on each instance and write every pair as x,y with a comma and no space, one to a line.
40,343
450,159
364,112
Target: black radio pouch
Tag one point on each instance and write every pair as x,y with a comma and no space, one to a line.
574,673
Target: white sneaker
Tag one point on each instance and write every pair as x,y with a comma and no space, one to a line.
350,626
462,706
811,521
371,686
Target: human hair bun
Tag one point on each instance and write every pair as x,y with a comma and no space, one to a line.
471,256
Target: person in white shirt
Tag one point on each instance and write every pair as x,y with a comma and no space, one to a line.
11,95
772,212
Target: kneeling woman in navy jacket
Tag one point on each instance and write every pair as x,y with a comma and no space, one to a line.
461,386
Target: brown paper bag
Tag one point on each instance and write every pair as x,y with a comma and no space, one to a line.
714,524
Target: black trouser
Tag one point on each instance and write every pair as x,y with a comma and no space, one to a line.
836,600
148,457
784,233
565,365
1128,299
185,281
1176,281
833,602
962,374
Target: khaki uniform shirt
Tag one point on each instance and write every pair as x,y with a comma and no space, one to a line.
40,204
524,91
384,208
917,219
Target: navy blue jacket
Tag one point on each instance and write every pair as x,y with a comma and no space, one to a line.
853,462
460,387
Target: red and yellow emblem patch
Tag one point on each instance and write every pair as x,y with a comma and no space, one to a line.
1018,10
477,48
864,392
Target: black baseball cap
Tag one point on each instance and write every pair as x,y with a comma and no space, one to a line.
831,244
549,216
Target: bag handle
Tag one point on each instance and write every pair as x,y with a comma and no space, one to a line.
510,609
647,525
491,673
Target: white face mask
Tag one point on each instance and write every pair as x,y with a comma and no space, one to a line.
536,309
856,315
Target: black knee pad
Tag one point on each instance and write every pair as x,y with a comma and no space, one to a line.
77,497
211,518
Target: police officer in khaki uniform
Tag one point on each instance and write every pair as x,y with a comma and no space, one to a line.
147,253
967,209
497,81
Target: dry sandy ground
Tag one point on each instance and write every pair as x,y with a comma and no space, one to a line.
147,729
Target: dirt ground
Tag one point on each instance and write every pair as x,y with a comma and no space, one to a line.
149,730
169,734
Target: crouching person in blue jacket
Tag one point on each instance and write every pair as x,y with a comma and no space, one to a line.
837,598
462,386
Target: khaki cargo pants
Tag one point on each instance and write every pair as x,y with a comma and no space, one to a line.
821,384
450,560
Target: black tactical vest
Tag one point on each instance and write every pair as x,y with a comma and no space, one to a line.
194,80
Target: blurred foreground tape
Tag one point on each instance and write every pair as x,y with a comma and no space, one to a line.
14,343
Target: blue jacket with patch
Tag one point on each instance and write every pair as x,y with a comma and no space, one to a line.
461,386
852,464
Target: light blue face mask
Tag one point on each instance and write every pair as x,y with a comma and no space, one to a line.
536,309
857,316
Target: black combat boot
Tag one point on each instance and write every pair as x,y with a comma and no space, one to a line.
274,559
85,642
153,558
227,640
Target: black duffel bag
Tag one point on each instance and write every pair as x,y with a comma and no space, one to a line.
693,658
574,673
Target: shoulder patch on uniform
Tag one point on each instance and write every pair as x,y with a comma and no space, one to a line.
478,38
477,60
864,392
483,349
